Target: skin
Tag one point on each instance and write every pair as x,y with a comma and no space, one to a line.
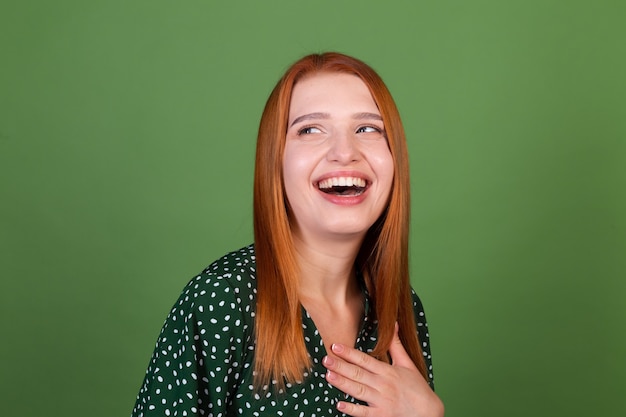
389,390
335,130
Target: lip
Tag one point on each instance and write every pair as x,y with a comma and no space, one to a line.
343,200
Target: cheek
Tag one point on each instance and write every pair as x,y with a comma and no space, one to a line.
382,163
298,163
296,172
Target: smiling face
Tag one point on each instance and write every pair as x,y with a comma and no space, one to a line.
337,167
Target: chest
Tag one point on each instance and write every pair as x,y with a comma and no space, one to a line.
314,396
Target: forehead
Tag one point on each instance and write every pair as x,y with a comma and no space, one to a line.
331,92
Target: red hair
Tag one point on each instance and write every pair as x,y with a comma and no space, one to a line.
383,261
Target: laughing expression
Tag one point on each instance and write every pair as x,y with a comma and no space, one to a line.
337,167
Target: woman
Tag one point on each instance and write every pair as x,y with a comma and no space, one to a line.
317,318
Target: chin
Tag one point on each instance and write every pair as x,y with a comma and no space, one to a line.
349,230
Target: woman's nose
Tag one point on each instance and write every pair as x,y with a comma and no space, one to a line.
343,148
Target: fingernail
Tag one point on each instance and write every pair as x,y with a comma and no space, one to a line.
341,406
330,376
328,361
337,348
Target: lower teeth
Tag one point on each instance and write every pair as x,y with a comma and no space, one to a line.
345,191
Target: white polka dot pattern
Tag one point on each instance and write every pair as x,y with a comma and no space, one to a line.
203,359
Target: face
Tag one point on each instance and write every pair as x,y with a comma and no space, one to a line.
337,167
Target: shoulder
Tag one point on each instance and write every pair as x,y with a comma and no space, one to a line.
240,261
208,335
420,318
234,272
226,286
418,307
423,334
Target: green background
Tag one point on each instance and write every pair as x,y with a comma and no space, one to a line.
127,134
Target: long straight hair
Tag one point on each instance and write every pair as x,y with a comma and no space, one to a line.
281,355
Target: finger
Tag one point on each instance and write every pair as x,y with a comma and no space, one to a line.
354,410
356,389
398,354
349,370
358,358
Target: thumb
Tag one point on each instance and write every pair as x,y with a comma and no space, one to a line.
398,354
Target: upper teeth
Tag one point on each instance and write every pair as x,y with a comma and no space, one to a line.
342,182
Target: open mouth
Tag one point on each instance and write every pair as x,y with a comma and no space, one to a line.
343,186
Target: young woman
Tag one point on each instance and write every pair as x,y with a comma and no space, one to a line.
318,317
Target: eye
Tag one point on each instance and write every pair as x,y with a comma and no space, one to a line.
308,130
368,129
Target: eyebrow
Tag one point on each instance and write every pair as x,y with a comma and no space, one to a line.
365,115
310,116
318,116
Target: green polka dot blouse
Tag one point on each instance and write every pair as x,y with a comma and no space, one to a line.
203,360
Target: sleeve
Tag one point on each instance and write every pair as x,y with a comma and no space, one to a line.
199,355
424,336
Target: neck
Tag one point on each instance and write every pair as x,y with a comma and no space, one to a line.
327,270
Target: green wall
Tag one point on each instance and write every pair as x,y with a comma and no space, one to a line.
127,133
